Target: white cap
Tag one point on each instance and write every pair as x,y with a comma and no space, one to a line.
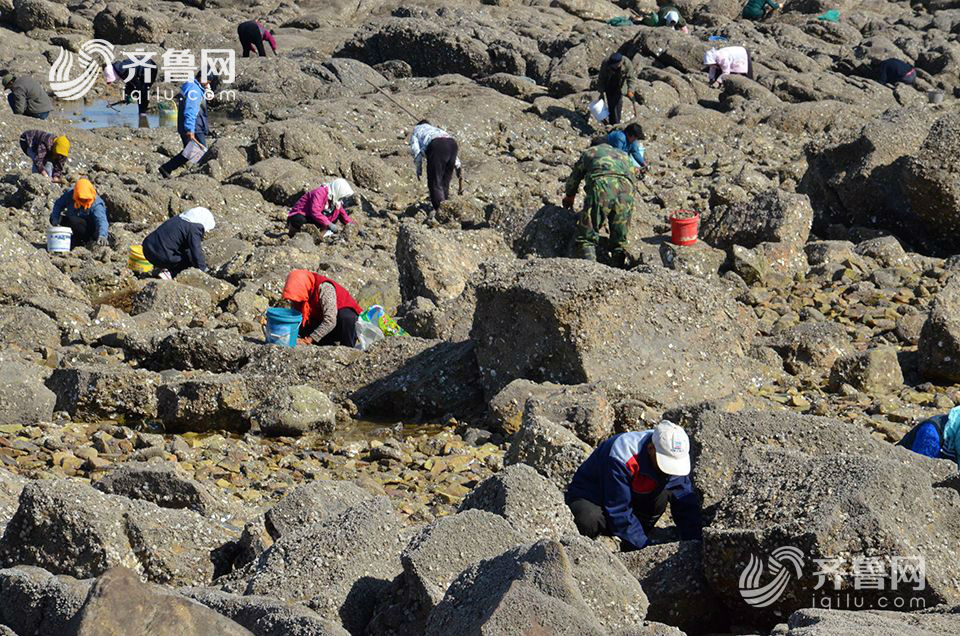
673,448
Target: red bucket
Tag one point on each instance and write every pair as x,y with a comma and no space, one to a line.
683,227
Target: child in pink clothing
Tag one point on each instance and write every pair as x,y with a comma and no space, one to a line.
322,207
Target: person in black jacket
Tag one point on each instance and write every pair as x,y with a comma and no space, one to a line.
175,245
137,80
891,71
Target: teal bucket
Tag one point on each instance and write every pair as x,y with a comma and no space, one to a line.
283,326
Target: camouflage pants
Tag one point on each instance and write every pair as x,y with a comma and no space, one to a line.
611,200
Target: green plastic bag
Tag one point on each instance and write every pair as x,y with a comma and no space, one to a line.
375,314
620,20
833,15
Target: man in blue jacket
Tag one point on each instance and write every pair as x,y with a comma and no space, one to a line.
623,488
192,123
628,140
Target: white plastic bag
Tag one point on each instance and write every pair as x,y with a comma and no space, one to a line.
367,334
599,110
110,74
194,151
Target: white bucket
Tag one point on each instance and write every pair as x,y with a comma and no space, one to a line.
194,151
58,239
599,110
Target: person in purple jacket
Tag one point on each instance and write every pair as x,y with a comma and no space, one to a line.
252,34
623,487
322,207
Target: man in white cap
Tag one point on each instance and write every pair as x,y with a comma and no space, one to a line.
623,488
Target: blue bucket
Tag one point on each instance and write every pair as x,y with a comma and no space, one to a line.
283,326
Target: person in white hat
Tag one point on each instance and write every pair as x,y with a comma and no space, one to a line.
624,487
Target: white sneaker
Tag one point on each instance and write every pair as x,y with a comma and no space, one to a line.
164,274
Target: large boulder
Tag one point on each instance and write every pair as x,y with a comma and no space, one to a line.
570,322
836,508
526,499
311,504
69,528
170,299
583,408
201,403
939,344
671,575
309,565
162,483
119,605
556,452
930,179
34,602
435,556
40,14
266,616
295,410
214,350
827,622
772,216
568,587
436,263
103,391
23,397
812,347
123,25
875,371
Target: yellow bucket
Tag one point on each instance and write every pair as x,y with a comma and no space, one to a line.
137,261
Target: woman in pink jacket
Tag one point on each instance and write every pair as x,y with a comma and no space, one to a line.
322,207
723,62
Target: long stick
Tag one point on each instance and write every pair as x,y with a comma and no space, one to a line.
396,103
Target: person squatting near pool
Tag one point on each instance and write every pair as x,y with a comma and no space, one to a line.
617,78
48,153
252,34
441,152
329,313
729,60
937,437
624,486
322,207
176,244
610,188
84,212
192,121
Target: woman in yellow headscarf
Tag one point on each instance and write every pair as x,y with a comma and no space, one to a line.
84,212
47,152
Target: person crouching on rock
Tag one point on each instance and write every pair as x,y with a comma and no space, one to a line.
728,60
759,9
47,152
322,207
610,196
937,437
176,244
893,71
441,152
84,212
329,313
623,487
628,140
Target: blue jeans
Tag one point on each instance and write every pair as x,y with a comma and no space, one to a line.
178,160
47,166
34,115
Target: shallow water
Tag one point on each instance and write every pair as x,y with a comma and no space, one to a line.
98,114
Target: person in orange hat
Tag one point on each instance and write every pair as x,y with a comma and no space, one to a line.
84,212
329,313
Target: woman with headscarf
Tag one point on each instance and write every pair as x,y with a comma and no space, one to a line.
84,212
48,153
175,245
937,437
322,207
723,62
329,312
252,34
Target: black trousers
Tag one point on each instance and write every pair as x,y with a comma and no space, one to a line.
345,331
250,37
181,263
614,104
441,164
83,230
177,161
143,89
592,521
749,66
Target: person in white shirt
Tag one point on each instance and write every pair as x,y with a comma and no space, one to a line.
441,151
